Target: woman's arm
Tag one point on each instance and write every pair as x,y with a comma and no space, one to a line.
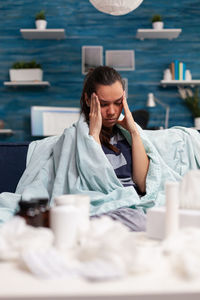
140,160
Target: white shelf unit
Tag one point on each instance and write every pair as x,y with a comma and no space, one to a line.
26,83
92,56
6,132
191,83
46,34
121,60
158,34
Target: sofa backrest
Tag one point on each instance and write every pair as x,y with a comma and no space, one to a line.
12,164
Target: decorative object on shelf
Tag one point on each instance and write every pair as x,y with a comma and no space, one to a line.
178,70
2,124
151,102
92,56
188,75
26,74
192,101
167,75
158,34
4,131
116,7
177,74
26,71
121,60
157,22
40,20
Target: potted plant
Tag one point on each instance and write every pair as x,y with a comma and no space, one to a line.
40,20
157,22
192,101
26,71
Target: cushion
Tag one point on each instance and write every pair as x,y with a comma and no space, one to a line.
12,164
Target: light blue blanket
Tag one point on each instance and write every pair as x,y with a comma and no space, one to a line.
74,163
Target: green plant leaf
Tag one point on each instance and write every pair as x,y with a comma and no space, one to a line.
26,65
193,103
156,18
40,15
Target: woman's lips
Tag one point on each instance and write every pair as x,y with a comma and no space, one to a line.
111,120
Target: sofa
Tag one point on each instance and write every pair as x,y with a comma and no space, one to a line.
12,164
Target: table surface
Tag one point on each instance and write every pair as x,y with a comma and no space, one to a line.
18,283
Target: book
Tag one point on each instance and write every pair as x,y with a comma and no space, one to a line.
172,70
184,69
176,69
180,70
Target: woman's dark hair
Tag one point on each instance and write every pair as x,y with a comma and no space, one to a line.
102,75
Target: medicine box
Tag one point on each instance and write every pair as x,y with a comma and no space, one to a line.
156,221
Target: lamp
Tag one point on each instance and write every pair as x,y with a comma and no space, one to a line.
151,102
116,7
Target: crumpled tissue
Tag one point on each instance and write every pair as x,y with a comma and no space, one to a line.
107,251
16,236
183,252
189,190
112,242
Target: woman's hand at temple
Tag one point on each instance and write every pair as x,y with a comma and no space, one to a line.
95,118
128,122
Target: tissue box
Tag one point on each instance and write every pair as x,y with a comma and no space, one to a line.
156,221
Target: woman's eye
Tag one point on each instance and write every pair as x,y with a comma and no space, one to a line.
103,105
119,103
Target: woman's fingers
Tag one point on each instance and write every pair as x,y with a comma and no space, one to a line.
92,106
95,118
94,102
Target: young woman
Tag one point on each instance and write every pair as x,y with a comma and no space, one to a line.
102,101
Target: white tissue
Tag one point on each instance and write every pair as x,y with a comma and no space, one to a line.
49,263
16,236
183,252
108,251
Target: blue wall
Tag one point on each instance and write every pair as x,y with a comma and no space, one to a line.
84,25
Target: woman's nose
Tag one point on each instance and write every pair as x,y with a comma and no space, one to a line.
111,110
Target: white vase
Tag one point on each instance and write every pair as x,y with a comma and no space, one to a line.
197,123
188,75
167,75
26,74
158,25
41,24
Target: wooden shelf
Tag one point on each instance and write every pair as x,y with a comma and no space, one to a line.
46,34
191,83
158,34
6,132
26,83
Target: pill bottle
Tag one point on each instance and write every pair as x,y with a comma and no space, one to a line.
30,211
44,210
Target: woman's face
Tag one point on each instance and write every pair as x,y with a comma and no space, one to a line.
111,101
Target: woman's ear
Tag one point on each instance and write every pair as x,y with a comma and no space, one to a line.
87,100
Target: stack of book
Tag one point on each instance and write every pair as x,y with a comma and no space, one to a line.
178,69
